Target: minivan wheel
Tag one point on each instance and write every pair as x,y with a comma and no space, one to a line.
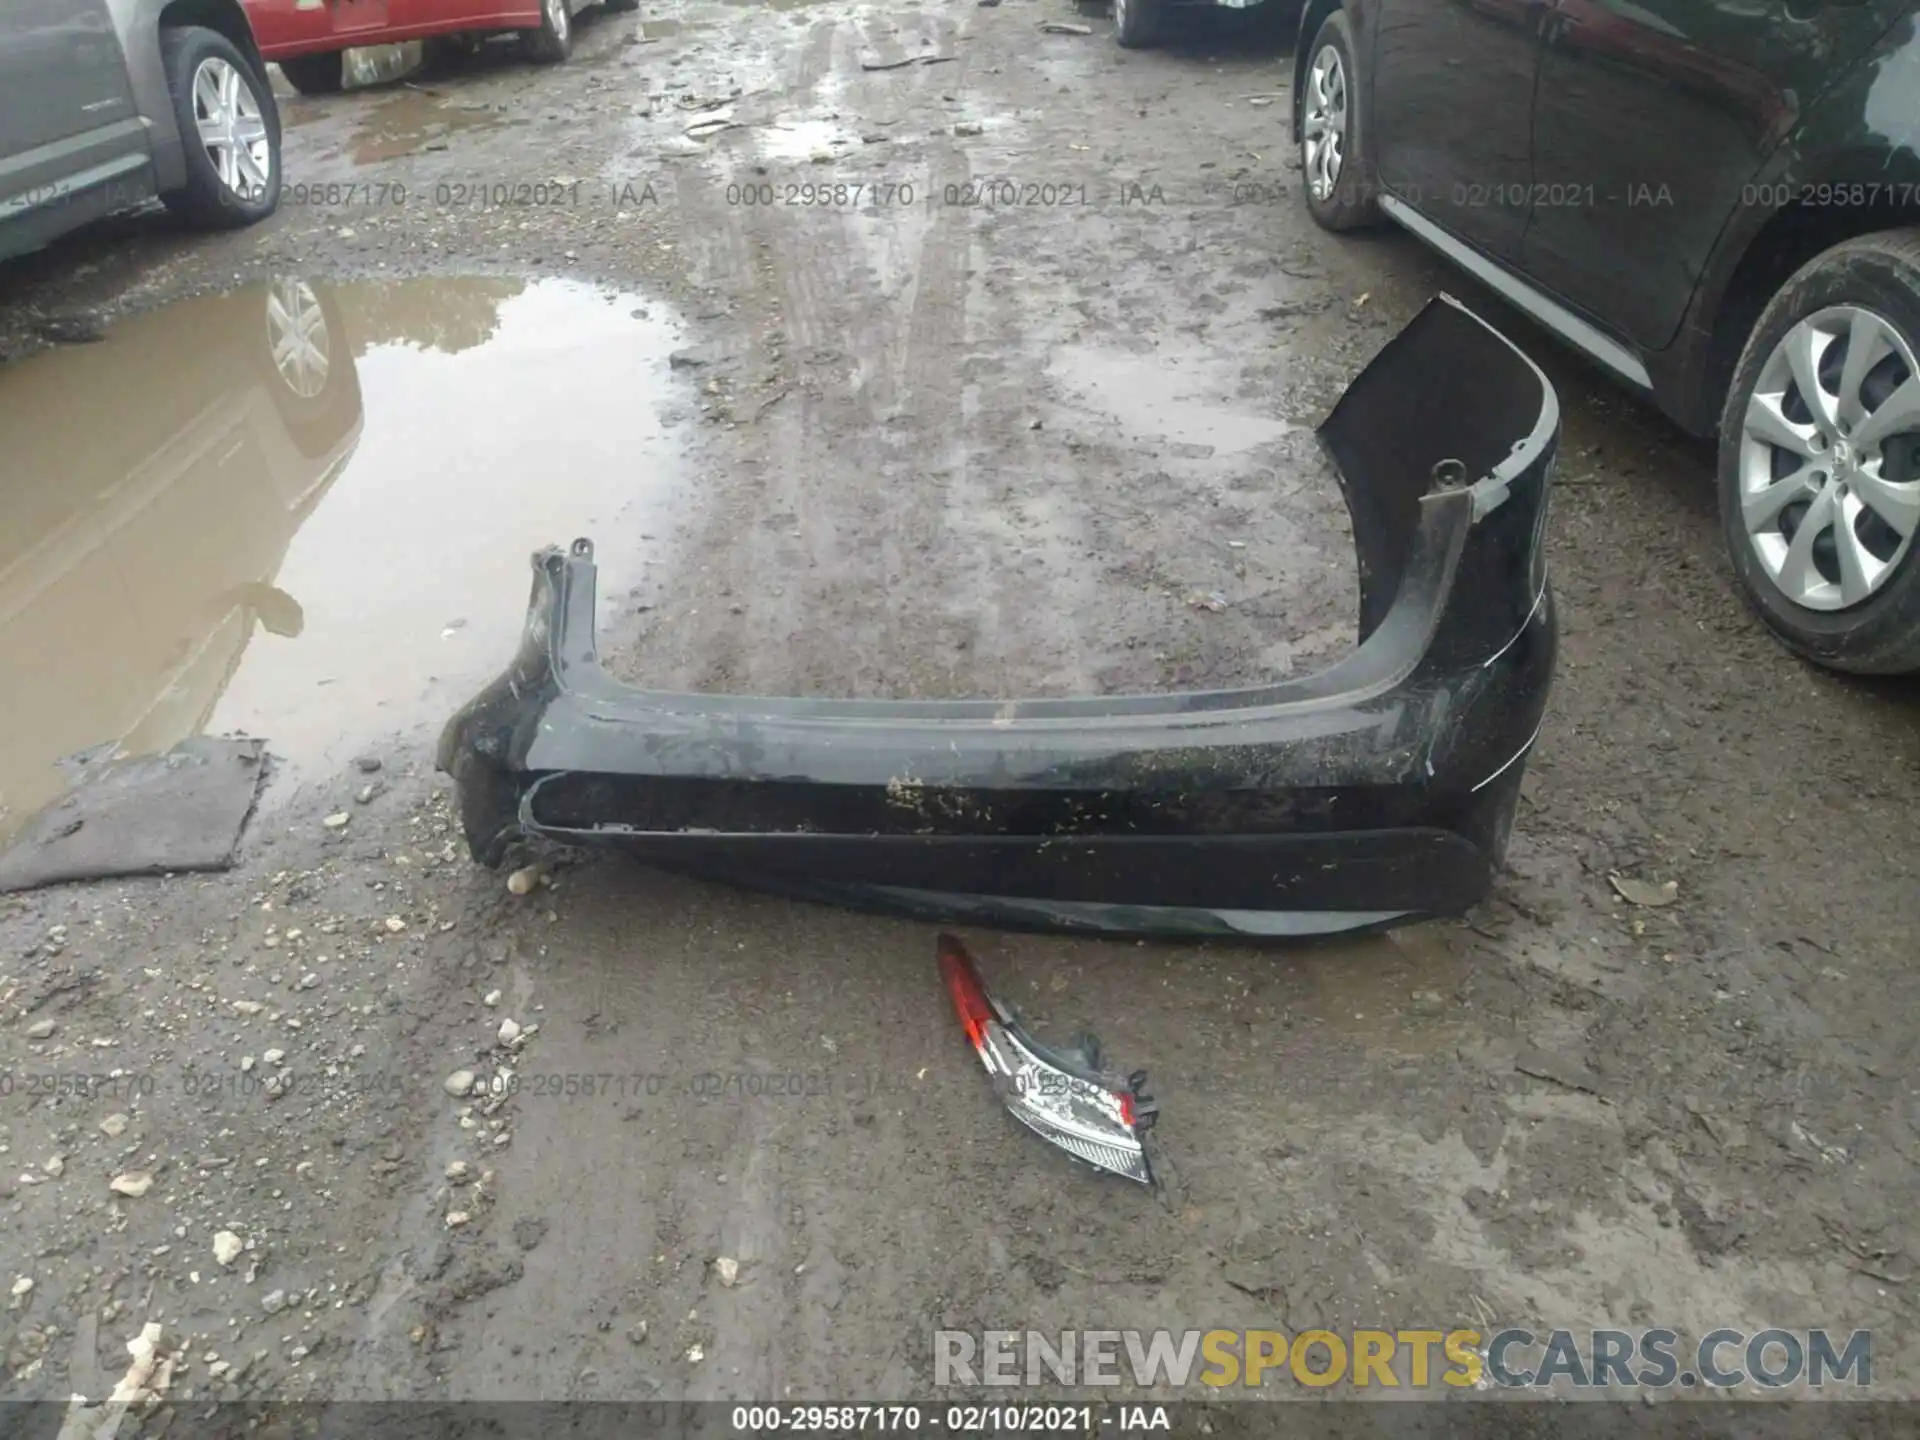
229,128
1336,175
1820,458
322,74
553,41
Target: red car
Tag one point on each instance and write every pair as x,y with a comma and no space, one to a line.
307,37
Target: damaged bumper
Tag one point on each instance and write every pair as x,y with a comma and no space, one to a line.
1380,789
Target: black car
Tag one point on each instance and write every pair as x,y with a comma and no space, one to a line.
1718,201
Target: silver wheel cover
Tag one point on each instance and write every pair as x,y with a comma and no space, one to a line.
226,111
1323,126
298,338
1829,458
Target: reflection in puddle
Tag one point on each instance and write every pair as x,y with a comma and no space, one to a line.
1154,396
311,515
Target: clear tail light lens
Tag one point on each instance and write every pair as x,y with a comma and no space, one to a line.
1064,1097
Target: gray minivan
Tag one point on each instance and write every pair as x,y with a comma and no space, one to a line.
106,104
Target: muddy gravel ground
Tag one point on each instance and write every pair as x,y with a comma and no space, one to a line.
1042,424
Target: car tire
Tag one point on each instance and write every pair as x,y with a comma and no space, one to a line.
1845,462
1338,182
553,41
322,74
204,69
1139,24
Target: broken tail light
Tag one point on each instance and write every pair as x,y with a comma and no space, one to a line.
1064,1096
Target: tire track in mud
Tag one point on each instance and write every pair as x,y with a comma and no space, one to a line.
906,467
773,524
1027,585
870,319
910,390
614,1208
864,366
816,56
925,439
749,1352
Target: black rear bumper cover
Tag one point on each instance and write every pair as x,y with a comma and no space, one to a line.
1381,788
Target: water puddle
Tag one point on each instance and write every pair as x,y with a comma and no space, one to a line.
304,511
1164,396
802,140
412,121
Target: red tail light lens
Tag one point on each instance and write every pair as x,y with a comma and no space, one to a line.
964,987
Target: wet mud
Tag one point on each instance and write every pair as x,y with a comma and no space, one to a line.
957,444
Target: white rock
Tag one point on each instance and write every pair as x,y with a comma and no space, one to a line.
227,1246
728,1269
490,999
509,1031
337,820
246,1063
247,1007
275,1057
457,1218
134,1183
147,1375
114,1126
526,880
22,1285
458,1171
458,1083
395,924
55,1167
40,1029
696,1354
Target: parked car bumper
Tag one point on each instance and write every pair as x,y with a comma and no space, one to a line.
1381,788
